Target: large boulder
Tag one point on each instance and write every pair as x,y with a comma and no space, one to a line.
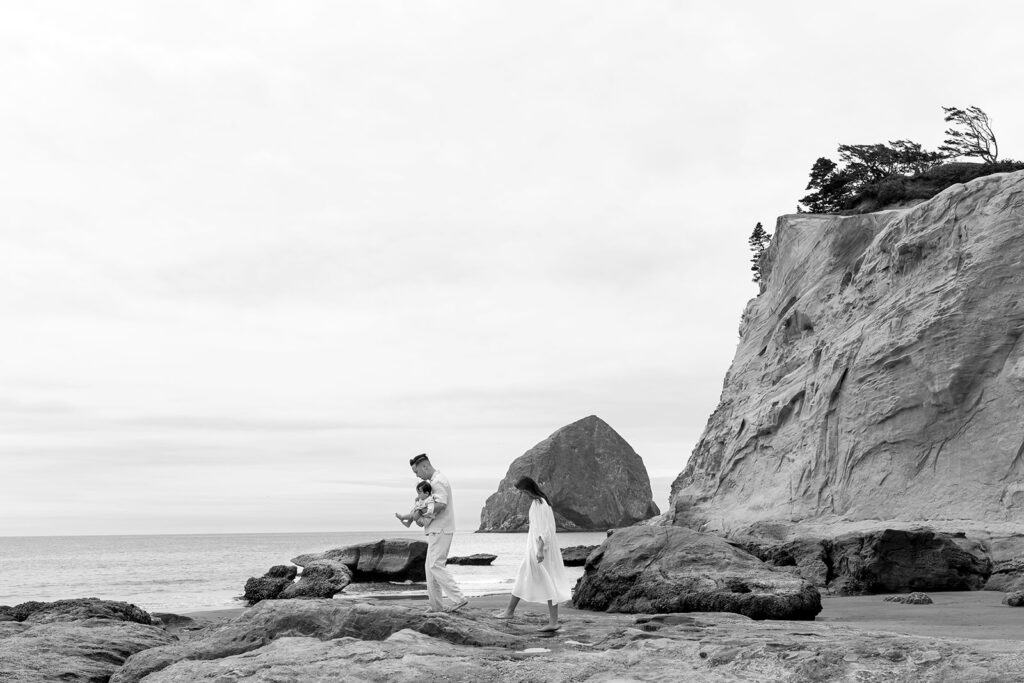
879,373
894,561
883,561
320,579
394,559
673,569
74,640
595,481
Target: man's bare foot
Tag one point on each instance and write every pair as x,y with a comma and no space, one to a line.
457,606
550,628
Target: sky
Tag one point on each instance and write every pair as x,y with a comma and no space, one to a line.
254,256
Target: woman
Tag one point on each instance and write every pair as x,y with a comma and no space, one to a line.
542,575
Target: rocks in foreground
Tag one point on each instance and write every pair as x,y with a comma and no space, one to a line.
883,561
479,559
1015,599
910,599
594,478
85,639
674,569
701,647
576,555
327,620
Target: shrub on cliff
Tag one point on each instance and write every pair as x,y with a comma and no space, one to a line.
839,187
900,189
872,177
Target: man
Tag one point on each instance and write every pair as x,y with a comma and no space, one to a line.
439,532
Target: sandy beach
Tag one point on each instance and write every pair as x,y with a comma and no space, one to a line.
958,614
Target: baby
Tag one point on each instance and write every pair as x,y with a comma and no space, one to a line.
422,508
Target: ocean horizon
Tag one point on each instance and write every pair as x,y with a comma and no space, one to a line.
199,572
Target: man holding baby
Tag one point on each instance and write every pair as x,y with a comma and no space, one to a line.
439,529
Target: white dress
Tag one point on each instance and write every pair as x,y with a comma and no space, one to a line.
547,580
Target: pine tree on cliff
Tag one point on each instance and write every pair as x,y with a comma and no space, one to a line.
758,241
976,138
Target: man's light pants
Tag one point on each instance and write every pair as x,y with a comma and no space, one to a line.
438,578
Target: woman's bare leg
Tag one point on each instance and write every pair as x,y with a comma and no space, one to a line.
513,602
552,617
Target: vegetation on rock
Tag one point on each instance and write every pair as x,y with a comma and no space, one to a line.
758,241
870,177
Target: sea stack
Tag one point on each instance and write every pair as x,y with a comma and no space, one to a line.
595,480
879,378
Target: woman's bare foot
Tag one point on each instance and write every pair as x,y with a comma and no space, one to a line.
550,628
502,614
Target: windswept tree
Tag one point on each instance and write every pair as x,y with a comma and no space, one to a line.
836,186
758,241
970,136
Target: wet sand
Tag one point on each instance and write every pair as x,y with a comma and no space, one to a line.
965,614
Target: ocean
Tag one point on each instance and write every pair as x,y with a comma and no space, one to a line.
196,572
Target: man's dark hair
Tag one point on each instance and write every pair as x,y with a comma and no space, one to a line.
425,487
418,459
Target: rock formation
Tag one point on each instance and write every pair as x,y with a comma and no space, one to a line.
576,555
320,619
270,585
390,559
73,640
672,569
479,559
332,640
886,561
595,480
711,648
879,378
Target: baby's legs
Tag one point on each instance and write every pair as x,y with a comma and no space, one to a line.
407,519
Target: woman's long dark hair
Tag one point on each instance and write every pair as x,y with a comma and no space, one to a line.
530,486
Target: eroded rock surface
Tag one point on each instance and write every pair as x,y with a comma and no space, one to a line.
699,647
595,481
74,640
879,374
673,569
321,619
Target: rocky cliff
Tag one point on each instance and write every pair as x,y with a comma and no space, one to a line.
879,376
595,481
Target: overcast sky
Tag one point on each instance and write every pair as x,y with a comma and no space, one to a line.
255,256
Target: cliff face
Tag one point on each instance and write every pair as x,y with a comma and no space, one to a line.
595,481
879,374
